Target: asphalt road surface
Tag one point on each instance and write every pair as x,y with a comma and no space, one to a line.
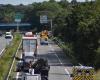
60,65
3,43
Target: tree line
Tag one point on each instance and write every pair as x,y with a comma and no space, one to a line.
77,24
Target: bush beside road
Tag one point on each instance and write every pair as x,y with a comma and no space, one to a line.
6,59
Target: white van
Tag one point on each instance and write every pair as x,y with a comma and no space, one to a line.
8,35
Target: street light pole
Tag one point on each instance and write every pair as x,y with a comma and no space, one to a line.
17,26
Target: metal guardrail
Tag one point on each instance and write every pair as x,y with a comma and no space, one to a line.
60,44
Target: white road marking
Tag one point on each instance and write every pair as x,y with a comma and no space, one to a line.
17,75
2,51
58,59
66,70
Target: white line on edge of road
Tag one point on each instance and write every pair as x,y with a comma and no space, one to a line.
58,59
66,70
13,62
2,51
17,75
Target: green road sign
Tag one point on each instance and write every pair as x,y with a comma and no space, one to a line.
18,17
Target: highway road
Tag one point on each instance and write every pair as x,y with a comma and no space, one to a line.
3,43
60,64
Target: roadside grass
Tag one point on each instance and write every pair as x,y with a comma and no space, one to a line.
13,71
6,59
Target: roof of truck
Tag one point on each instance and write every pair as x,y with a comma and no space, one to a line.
29,38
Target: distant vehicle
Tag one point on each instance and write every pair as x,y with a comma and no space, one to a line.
44,37
83,73
43,41
8,35
29,34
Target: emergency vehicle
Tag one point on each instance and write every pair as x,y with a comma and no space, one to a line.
44,37
29,45
82,73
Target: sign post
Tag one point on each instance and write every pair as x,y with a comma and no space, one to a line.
18,20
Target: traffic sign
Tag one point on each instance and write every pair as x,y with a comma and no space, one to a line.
17,20
43,19
18,17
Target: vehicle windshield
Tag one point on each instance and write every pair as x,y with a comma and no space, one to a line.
8,37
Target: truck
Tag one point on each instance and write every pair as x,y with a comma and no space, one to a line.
44,37
29,46
29,51
37,70
30,66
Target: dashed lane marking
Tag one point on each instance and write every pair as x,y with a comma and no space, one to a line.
66,70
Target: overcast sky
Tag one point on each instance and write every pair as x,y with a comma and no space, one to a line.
15,2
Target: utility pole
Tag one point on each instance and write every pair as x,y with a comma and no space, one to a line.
17,27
